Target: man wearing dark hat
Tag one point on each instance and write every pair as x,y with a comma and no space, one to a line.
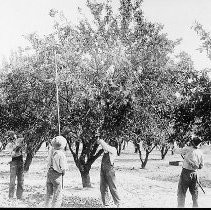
15,147
193,160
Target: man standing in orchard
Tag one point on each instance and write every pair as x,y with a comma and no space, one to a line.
107,173
15,148
193,160
57,166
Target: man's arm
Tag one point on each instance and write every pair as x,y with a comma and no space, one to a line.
178,151
201,164
106,147
182,151
10,148
49,157
197,161
63,163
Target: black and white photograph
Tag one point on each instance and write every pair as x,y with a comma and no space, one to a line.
105,103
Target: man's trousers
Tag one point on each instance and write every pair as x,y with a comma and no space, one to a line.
188,180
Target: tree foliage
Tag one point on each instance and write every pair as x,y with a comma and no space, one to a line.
115,74
192,115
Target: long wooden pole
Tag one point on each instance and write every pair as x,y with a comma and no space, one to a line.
57,93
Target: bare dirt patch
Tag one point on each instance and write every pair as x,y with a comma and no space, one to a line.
154,186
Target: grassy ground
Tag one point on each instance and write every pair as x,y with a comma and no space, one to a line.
154,186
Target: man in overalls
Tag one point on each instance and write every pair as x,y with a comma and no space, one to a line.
107,173
57,166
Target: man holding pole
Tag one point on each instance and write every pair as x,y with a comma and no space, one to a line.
193,160
57,166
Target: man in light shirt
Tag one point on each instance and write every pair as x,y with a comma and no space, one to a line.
107,173
15,147
193,160
57,166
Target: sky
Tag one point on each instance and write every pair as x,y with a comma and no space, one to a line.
21,17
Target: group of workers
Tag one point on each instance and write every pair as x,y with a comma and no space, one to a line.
57,167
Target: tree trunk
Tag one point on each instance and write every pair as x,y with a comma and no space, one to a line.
119,149
143,163
84,166
136,147
124,145
163,151
28,161
85,179
4,146
172,150
30,155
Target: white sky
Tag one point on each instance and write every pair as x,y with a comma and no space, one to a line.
21,17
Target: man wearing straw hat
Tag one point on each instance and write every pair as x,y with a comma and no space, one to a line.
57,166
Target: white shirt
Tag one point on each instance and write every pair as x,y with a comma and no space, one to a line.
57,159
12,145
193,158
107,148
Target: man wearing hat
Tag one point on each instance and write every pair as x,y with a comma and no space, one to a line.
57,165
15,147
193,160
